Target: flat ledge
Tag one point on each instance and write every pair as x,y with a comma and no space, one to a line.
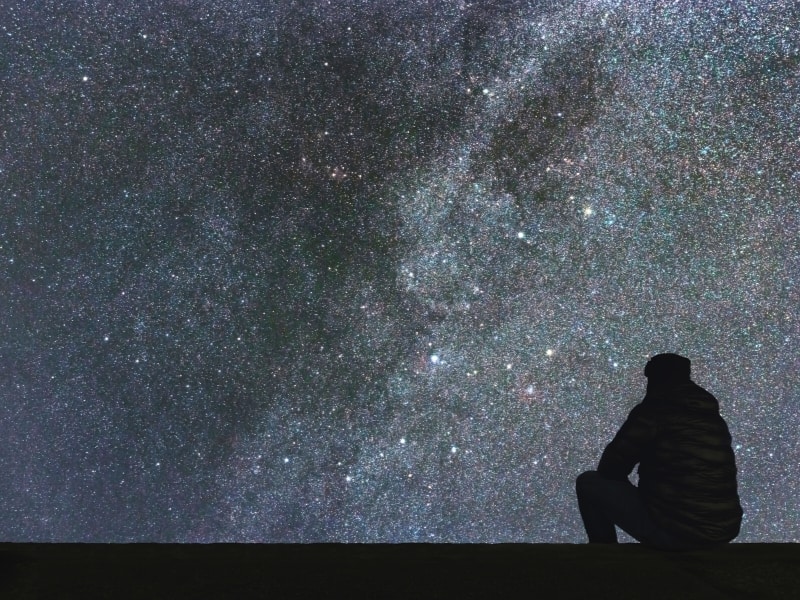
396,571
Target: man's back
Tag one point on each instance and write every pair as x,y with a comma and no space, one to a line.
687,471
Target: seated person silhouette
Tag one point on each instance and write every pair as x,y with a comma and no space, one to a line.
687,495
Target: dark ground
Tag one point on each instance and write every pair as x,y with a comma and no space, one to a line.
396,571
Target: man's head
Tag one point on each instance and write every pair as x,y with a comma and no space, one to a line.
667,369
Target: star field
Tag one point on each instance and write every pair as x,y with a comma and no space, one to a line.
385,271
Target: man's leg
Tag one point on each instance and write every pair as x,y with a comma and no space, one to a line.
605,503
591,491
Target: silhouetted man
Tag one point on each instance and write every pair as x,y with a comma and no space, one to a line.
687,494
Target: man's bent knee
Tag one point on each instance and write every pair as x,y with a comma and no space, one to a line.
585,480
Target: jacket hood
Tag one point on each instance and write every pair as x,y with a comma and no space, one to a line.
687,394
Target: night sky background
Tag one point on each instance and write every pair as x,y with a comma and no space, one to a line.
388,270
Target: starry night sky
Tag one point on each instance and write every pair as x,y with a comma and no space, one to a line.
385,271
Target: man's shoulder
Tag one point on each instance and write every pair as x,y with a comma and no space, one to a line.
695,397
643,413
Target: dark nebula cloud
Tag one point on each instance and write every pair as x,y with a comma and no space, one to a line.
384,271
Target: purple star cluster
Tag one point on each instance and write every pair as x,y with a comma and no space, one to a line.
385,271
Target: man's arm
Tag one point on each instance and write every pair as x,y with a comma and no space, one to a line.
625,450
